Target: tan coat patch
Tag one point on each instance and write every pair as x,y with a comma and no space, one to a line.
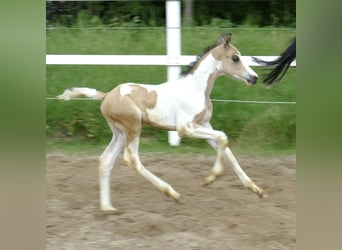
127,112
142,98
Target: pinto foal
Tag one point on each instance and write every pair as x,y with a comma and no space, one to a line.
183,105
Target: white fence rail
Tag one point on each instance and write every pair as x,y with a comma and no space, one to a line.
136,60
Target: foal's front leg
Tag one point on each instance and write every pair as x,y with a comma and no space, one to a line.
217,169
218,140
247,182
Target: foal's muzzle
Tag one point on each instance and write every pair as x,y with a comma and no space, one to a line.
252,80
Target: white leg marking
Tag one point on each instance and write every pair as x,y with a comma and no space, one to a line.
247,182
107,160
217,169
131,156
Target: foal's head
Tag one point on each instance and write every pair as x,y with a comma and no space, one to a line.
232,63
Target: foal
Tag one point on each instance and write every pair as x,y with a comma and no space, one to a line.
183,105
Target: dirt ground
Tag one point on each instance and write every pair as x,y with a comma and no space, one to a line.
223,215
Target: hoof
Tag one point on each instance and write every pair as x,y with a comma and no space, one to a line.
108,209
111,212
171,193
210,179
261,193
176,197
104,212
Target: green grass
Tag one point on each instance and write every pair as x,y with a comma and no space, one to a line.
79,125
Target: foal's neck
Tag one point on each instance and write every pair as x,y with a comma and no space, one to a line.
206,73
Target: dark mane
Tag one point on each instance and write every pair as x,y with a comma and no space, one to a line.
280,65
198,57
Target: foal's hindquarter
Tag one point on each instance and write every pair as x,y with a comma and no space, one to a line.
183,105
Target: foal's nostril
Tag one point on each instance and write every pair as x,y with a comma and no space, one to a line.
254,79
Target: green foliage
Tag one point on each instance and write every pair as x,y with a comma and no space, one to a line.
109,13
219,22
259,125
152,13
273,128
86,20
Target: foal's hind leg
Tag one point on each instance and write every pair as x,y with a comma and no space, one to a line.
131,156
107,160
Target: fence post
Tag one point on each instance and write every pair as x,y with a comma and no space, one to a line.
173,40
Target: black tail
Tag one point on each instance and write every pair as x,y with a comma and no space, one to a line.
282,64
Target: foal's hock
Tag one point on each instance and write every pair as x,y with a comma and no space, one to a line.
183,105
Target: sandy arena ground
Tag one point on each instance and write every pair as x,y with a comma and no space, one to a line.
223,215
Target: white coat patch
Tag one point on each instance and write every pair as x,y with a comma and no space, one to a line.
125,90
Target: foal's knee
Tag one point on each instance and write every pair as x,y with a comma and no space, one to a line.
222,139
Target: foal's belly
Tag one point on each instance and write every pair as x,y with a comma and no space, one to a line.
173,106
162,119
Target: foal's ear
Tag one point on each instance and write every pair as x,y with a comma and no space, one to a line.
225,39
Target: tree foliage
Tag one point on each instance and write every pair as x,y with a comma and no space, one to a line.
152,13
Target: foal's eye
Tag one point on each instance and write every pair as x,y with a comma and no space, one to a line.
235,58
